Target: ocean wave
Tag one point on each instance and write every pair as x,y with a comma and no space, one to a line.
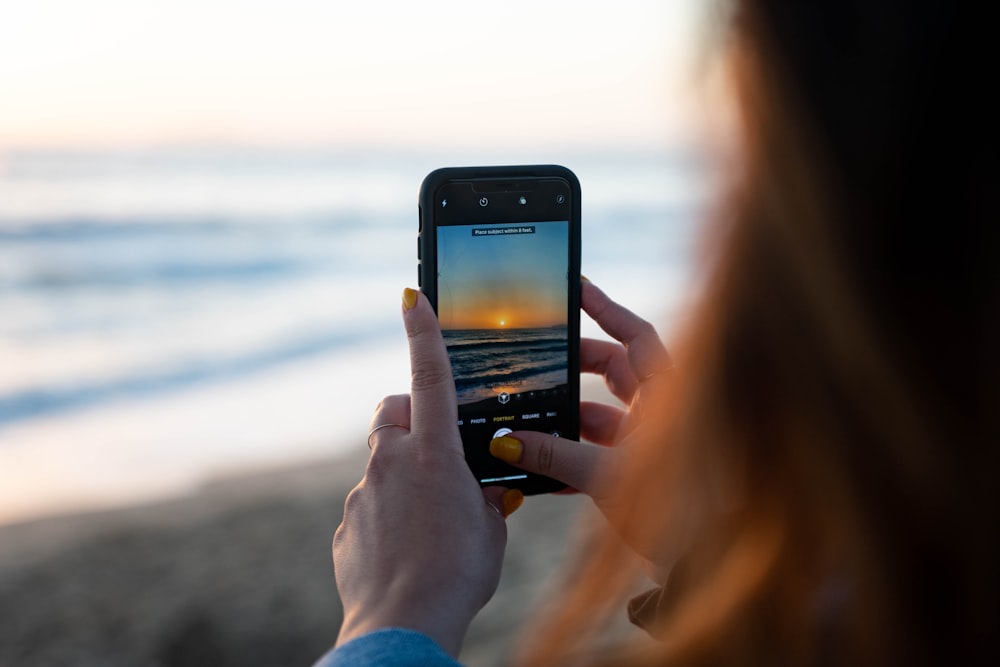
86,253
63,276
506,353
102,229
36,402
507,378
538,343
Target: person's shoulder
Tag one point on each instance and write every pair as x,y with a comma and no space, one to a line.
390,647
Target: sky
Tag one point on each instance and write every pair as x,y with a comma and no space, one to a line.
435,73
503,281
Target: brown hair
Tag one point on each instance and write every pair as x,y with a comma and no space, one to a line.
826,462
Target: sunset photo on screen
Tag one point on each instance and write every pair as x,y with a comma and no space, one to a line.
502,303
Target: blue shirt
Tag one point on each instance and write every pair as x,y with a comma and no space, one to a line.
391,647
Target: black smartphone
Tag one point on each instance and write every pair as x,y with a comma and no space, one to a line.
499,259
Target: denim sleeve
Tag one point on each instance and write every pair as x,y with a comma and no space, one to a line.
391,647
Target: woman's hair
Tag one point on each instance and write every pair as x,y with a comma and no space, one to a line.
826,452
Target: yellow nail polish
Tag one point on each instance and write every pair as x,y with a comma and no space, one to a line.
409,298
506,448
512,499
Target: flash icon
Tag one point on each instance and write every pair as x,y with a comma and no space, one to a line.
444,202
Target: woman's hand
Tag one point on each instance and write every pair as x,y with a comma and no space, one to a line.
421,545
629,368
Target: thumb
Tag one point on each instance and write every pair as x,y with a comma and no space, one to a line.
580,465
504,501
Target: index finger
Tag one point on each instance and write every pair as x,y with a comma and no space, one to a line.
609,360
646,353
433,405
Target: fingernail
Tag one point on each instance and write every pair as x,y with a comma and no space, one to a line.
409,298
512,499
584,278
506,448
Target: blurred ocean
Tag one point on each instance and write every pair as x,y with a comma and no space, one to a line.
168,315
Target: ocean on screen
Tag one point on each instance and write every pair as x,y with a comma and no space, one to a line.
169,315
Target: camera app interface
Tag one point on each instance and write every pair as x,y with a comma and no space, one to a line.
502,304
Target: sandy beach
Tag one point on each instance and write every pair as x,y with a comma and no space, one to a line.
238,573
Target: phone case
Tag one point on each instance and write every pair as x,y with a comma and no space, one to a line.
427,260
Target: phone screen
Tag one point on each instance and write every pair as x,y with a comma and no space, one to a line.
505,271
